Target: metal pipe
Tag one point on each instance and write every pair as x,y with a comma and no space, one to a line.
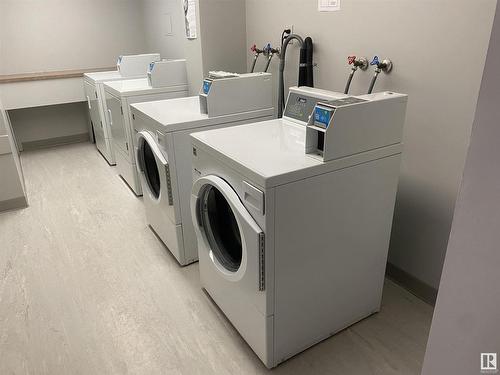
281,83
256,56
256,52
374,79
380,66
269,58
349,80
356,63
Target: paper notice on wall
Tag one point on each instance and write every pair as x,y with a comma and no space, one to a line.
328,5
190,18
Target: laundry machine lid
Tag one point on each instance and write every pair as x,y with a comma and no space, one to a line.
97,77
137,87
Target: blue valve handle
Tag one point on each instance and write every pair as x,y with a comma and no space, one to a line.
375,61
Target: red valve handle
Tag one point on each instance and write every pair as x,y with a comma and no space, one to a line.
351,59
253,48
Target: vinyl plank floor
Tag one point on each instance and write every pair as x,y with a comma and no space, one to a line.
86,288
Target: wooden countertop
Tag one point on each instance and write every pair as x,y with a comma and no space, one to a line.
59,74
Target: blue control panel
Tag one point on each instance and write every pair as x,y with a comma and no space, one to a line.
206,86
322,116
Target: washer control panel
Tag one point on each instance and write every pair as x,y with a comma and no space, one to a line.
300,107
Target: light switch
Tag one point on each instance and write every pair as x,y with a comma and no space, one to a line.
328,5
167,24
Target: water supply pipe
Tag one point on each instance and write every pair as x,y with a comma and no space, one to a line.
269,52
356,63
380,66
256,52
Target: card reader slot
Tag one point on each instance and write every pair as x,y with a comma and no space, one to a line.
321,141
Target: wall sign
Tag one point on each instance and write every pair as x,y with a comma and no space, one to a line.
190,18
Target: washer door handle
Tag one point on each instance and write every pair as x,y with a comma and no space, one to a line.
110,117
253,197
139,157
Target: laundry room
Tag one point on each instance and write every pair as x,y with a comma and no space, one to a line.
249,187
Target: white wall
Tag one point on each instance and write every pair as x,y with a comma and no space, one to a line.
438,48
194,58
467,315
52,35
221,43
223,35
164,27
68,34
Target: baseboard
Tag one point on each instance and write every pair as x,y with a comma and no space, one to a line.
13,204
417,287
58,141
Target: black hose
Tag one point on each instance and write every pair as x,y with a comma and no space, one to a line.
281,79
302,66
306,64
309,62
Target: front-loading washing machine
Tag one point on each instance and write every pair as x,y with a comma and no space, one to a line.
121,94
164,150
293,227
128,67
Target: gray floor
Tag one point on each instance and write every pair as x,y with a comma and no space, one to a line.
86,288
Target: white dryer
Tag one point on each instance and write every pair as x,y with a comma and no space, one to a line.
128,67
293,238
164,148
120,95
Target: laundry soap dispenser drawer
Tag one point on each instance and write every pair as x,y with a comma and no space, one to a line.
253,197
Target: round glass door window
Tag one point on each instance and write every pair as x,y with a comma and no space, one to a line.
221,228
151,169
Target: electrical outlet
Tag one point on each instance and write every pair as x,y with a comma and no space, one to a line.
288,27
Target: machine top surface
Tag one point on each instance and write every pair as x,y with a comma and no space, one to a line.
272,153
184,113
139,86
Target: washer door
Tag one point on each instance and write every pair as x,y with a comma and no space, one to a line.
154,170
226,230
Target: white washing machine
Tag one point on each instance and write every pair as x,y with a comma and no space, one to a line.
119,96
128,67
293,230
164,149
